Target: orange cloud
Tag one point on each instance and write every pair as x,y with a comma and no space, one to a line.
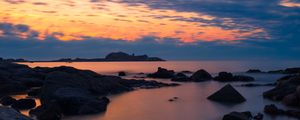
115,20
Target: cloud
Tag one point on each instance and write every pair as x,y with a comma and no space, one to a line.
15,1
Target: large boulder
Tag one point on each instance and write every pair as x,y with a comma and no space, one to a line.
227,94
285,86
122,73
201,75
76,101
24,104
162,73
11,114
238,116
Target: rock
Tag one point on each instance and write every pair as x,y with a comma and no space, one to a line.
238,116
121,73
243,78
291,100
285,86
180,77
201,75
24,104
12,88
273,110
11,114
292,70
293,113
227,94
75,101
254,71
258,116
162,73
51,111
224,76
7,100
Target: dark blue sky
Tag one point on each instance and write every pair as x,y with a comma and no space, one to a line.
279,20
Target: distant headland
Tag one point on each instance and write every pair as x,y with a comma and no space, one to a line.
114,56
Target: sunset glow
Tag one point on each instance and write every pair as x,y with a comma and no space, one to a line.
76,20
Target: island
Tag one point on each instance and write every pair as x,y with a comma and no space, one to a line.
114,56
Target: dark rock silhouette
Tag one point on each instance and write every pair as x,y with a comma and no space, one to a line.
51,111
273,110
238,116
295,70
201,75
254,71
11,114
227,94
7,100
286,89
74,92
257,85
162,73
229,77
24,104
180,77
122,73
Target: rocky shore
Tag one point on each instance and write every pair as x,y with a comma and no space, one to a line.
63,91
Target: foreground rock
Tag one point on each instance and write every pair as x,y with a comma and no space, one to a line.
227,94
229,77
11,114
162,73
201,75
286,90
238,116
71,91
273,110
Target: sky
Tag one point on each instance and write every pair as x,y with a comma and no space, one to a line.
170,29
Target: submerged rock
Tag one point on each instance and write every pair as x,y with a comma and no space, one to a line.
162,73
227,94
11,114
238,116
201,75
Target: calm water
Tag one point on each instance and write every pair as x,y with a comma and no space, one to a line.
192,104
